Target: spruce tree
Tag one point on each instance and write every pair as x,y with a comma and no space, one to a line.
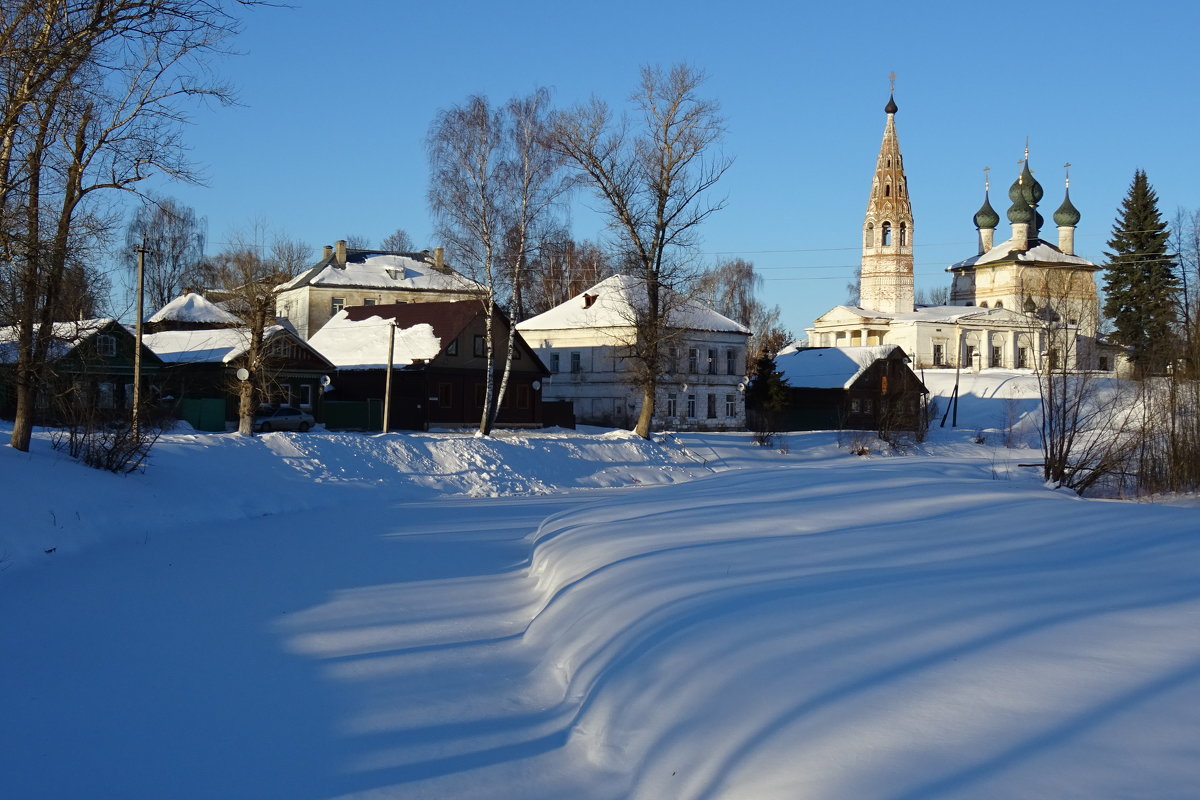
1140,283
766,396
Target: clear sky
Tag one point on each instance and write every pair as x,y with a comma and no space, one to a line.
336,99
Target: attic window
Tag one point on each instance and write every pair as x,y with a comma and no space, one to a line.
589,299
391,273
106,345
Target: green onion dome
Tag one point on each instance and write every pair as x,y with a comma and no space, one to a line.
986,216
1020,211
1067,216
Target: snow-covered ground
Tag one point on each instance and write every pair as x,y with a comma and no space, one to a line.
588,615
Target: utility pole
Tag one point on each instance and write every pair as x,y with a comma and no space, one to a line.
135,421
387,385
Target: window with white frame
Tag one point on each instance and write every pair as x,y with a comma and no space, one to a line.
691,406
693,360
672,404
306,395
731,405
712,362
555,362
336,304
731,362
106,345
576,362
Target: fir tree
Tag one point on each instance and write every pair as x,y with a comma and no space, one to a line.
1140,283
766,396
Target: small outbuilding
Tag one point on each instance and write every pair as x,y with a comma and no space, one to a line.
858,388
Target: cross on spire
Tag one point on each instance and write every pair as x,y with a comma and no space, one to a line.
892,80
986,179
1067,171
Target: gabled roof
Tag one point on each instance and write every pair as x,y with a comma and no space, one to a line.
374,269
357,337
192,307
830,367
65,337
611,303
213,345
1037,252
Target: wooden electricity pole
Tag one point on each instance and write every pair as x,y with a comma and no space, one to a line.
136,401
387,386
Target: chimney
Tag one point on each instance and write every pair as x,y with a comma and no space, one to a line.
341,252
439,259
328,252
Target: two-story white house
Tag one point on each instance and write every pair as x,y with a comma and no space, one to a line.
584,342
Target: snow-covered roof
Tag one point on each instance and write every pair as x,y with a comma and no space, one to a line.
192,307
611,303
829,367
1039,251
948,314
363,343
209,345
365,269
65,336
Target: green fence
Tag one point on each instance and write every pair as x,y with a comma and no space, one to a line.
353,415
203,414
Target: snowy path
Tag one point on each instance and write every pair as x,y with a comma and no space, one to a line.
896,628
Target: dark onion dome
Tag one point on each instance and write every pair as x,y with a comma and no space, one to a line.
1020,211
1067,216
891,107
986,216
1038,222
1031,188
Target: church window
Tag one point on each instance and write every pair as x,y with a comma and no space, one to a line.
903,234
887,190
983,304
887,234
999,304
870,235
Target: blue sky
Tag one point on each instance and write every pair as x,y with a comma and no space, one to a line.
336,99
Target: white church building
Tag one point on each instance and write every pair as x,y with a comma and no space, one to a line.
1022,303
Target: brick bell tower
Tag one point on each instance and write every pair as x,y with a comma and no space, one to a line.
887,261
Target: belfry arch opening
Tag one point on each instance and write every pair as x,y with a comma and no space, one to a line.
887,234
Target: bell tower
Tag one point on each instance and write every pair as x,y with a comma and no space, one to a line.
887,262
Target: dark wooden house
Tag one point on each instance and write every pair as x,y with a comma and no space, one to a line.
439,364
202,347
857,388
89,372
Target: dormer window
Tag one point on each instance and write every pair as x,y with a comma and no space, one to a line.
589,299
392,273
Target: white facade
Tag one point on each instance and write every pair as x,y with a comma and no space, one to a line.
583,342
1023,303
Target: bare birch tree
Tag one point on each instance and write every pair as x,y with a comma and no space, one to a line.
493,188
652,180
